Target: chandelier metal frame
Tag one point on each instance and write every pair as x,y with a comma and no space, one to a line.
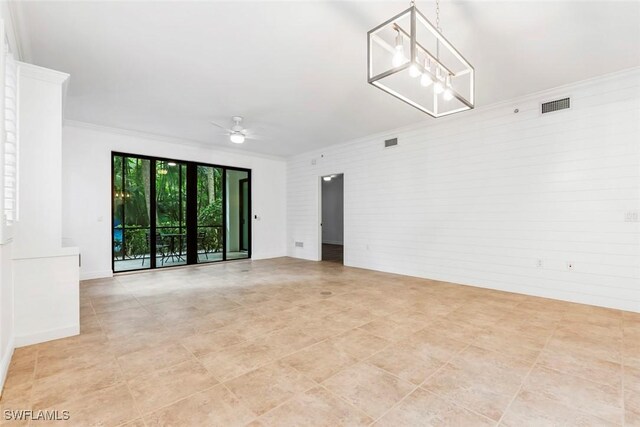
436,72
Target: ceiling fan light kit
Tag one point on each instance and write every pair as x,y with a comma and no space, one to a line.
409,58
237,137
237,133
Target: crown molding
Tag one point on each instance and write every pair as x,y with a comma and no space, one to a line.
41,73
534,96
167,139
11,14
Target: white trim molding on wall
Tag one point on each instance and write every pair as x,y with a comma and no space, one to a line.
520,202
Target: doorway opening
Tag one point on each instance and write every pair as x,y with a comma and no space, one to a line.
332,222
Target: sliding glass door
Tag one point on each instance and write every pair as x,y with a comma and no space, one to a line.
170,212
237,212
210,221
131,201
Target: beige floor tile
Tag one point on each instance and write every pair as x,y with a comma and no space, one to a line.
315,407
632,378
209,342
145,361
22,370
392,330
15,397
72,359
134,423
426,409
598,347
267,387
321,360
632,402
588,397
434,343
531,409
368,388
456,329
480,380
358,343
288,340
64,386
109,303
597,370
404,361
216,406
111,406
168,385
526,347
235,360
326,321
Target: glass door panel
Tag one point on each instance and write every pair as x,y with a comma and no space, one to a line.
210,223
167,212
171,213
237,214
131,207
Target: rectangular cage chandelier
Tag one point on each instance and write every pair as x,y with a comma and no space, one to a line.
409,58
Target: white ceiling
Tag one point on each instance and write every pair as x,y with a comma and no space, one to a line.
296,70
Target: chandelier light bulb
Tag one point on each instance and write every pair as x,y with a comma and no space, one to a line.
438,88
414,71
398,58
399,42
447,95
426,79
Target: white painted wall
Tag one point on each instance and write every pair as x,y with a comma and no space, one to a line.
333,210
479,197
87,189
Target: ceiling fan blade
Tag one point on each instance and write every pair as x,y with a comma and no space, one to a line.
220,126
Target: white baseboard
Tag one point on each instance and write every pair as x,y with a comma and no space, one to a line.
5,362
44,336
95,275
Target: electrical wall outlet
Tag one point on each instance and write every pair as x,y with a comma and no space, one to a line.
539,263
299,244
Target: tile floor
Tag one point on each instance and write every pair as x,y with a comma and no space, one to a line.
288,342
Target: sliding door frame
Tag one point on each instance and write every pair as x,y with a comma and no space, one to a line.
191,209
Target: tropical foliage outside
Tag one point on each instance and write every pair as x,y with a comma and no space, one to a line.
132,205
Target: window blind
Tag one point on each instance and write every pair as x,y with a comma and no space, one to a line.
10,140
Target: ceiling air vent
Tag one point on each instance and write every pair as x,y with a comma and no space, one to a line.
557,105
391,142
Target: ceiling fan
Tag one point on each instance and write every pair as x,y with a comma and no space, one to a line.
237,133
